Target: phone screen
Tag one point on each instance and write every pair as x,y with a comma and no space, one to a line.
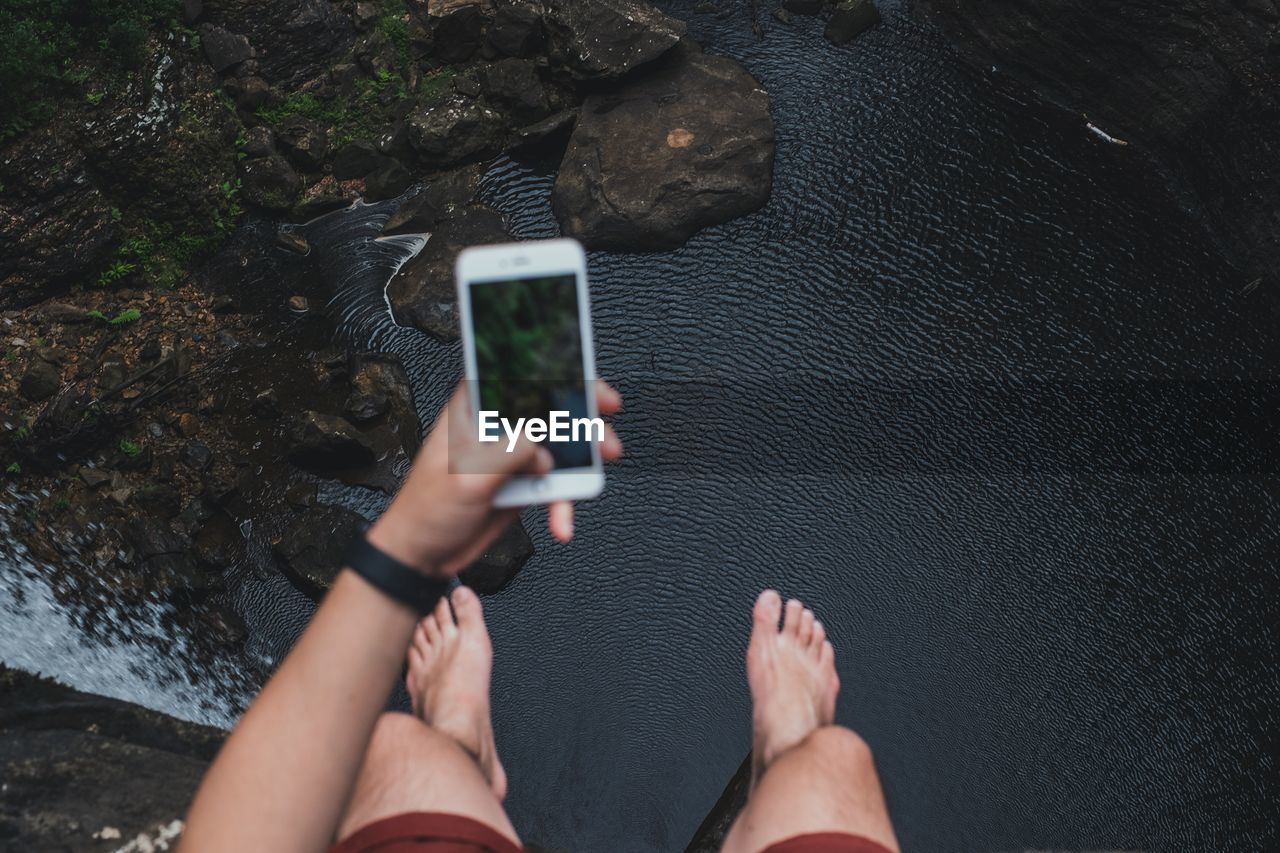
528,345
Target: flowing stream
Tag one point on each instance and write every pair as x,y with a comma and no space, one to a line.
971,384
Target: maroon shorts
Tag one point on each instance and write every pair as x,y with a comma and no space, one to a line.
436,832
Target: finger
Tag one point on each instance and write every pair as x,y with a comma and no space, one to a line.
494,464
560,520
611,447
608,400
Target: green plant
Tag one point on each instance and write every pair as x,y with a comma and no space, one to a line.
61,504
22,432
125,317
94,98
115,272
98,315
130,448
14,468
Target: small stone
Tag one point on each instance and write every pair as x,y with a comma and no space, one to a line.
156,430
254,92
292,241
150,350
197,456
259,141
301,495
224,305
61,312
363,408
781,15
94,477
299,304
367,15
266,405
41,381
188,424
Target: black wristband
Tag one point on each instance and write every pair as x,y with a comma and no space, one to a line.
395,579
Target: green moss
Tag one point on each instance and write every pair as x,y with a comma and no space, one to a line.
130,448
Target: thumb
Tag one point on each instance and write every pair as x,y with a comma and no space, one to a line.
525,457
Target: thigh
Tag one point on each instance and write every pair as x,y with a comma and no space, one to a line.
409,767
827,784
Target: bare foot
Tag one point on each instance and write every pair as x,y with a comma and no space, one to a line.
448,680
792,673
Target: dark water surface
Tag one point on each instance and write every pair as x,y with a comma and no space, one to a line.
973,387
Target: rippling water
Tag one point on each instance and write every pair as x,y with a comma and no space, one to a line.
973,386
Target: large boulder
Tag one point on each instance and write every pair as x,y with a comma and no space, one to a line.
604,39
311,551
1193,81
293,40
270,182
55,225
223,48
84,772
422,293
688,146
455,130
446,194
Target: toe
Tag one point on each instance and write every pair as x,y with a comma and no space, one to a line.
819,637
431,628
767,611
466,606
791,618
805,634
421,640
444,618
827,657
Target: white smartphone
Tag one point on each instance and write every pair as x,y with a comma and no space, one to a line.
526,336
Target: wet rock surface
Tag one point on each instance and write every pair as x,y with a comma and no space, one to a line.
687,146
604,39
85,772
423,294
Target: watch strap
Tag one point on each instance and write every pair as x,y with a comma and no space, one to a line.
394,578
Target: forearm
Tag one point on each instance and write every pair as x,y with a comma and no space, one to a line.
283,777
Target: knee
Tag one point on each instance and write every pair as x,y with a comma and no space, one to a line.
392,731
844,747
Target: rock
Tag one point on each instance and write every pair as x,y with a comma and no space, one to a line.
196,456
467,84
296,40
516,29
56,226
112,372
688,146
224,625
781,15
224,305
604,39
1192,82
455,130
549,125
803,7
445,194
164,554
366,15
317,201
40,381
516,85
310,552
61,312
158,499
188,425
380,385
254,92
500,563
850,19
422,293
298,303
357,159
270,182
259,141
223,48
327,442
363,408
266,404
304,142
292,241
456,33
387,181
301,495
77,765
94,477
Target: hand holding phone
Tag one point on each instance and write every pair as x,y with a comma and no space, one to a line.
442,520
